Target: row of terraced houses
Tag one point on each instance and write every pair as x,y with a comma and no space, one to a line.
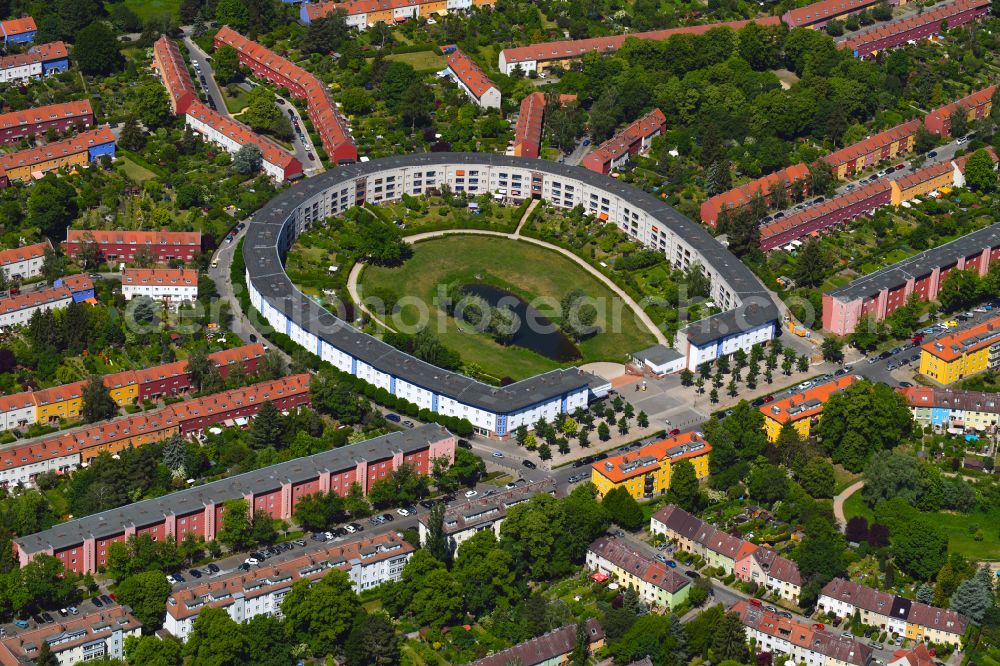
326,119
747,561
215,127
75,151
82,544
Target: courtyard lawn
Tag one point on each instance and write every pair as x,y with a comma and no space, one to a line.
147,9
955,526
520,267
135,172
421,60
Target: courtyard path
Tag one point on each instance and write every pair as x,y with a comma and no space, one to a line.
838,502
352,279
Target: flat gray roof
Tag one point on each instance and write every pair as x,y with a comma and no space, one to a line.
262,250
658,354
148,512
919,265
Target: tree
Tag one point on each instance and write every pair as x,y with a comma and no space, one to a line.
216,640
812,265
152,651
373,641
486,573
920,546
317,511
767,483
730,642
326,34
980,172
683,490
817,478
45,656
52,206
835,27
262,528
262,110
268,428
248,159
959,289
857,529
959,121
437,541
236,531
320,614
226,64
603,431
642,420
234,13
150,104
833,349
98,404
890,474
622,508
146,593
866,418
96,50
820,555
268,644
974,596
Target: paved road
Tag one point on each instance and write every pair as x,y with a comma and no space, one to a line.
352,279
210,87
302,150
579,152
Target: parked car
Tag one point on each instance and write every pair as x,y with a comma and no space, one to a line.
692,574
471,493
350,529
497,454
395,418
529,464
213,568
299,542
195,573
170,579
408,424
97,600
403,511
388,517
465,444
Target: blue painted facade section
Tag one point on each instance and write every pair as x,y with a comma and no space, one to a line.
79,296
101,149
51,66
563,407
354,366
940,415
288,327
434,402
392,384
319,347
501,425
19,38
303,16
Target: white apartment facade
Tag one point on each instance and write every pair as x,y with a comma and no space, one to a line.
24,262
17,310
171,286
368,562
73,640
228,143
20,69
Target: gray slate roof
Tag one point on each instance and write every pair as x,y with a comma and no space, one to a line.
146,512
919,265
267,241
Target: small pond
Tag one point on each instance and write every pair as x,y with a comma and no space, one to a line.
536,332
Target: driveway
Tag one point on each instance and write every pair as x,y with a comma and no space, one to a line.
838,502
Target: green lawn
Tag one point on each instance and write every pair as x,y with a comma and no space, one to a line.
135,172
421,60
525,269
955,525
147,9
238,102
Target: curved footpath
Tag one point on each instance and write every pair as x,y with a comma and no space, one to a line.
838,502
352,279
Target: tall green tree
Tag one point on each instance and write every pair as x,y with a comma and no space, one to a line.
980,172
730,642
226,64
146,594
236,531
437,541
812,265
866,418
268,428
373,641
622,508
486,573
268,644
150,104
216,640
52,205
96,50
321,614
684,490
152,651
97,402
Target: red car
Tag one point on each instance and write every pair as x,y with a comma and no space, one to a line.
675,431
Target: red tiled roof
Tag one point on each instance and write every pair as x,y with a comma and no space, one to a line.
18,26
322,111
823,11
73,146
575,48
806,403
34,299
268,578
528,131
970,101
45,114
19,59
68,634
627,465
59,393
803,217
872,143
740,196
932,16
77,283
918,656
271,152
174,73
178,277
103,237
469,73
19,254
241,397
619,144
955,345
51,51
319,10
